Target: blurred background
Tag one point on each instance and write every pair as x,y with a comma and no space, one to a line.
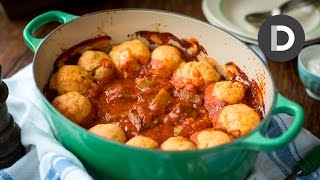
14,15
34,7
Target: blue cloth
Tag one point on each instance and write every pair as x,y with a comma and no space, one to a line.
46,158
279,164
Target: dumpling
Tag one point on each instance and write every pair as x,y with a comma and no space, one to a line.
71,78
165,59
109,131
98,64
226,91
129,56
237,119
210,138
74,106
177,144
196,73
142,142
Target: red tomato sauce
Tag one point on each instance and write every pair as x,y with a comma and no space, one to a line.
132,107
145,104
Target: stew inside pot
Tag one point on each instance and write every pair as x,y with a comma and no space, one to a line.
165,94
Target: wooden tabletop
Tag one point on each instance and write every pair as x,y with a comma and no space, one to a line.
14,54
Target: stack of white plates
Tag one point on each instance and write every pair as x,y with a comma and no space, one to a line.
230,15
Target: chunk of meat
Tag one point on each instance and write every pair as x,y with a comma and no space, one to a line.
140,117
119,92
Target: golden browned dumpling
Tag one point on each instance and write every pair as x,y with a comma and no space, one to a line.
195,73
74,106
226,91
98,64
90,60
142,142
109,131
129,56
177,144
165,59
71,78
210,138
238,119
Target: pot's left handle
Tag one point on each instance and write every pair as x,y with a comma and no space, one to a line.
51,16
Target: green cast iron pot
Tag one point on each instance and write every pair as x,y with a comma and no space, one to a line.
107,159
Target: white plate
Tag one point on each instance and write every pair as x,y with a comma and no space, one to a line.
230,15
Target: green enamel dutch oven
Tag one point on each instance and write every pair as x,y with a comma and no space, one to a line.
106,159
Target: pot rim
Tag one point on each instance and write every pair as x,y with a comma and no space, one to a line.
233,143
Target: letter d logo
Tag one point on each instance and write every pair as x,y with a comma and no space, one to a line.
281,38
274,39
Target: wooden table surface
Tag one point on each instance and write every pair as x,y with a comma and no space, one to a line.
14,54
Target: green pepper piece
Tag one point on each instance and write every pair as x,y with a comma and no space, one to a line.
144,83
177,131
163,98
189,96
112,118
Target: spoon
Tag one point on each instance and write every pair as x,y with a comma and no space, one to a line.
258,18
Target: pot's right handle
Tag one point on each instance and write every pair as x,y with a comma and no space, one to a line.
51,16
257,141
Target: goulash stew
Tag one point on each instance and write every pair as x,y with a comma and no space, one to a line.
154,91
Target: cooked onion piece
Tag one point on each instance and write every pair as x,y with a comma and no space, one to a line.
71,78
142,142
98,64
237,119
177,144
226,91
165,59
195,73
210,138
74,106
109,131
129,56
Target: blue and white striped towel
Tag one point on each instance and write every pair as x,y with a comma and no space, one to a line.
47,159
